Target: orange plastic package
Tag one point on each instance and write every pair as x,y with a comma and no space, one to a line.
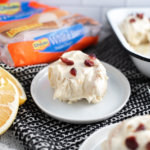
32,33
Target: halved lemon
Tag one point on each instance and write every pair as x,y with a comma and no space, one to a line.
9,103
22,94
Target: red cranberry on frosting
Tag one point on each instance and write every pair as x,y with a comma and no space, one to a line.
140,127
89,63
140,16
73,71
131,143
67,61
92,56
148,146
132,20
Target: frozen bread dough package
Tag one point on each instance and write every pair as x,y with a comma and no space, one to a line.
33,33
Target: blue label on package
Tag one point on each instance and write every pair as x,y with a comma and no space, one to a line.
17,10
60,40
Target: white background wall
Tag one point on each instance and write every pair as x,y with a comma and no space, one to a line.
94,8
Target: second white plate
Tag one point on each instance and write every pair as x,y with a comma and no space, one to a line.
93,142
82,112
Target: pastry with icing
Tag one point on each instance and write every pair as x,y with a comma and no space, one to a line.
131,134
77,76
136,29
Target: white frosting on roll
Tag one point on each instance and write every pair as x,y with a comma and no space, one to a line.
134,129
89,83
136,32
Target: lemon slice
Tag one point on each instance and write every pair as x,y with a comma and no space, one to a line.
9,103
22,93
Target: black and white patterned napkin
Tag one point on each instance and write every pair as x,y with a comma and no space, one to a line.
38,131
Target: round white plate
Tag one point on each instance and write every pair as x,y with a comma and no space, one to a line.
93,142
82,112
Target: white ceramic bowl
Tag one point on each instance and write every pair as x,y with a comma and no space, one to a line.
115,17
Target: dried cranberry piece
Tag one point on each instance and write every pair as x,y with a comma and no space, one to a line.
148,146
132,20
67,61
89,63
73,71
92,56
140,127
140,16
131,143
